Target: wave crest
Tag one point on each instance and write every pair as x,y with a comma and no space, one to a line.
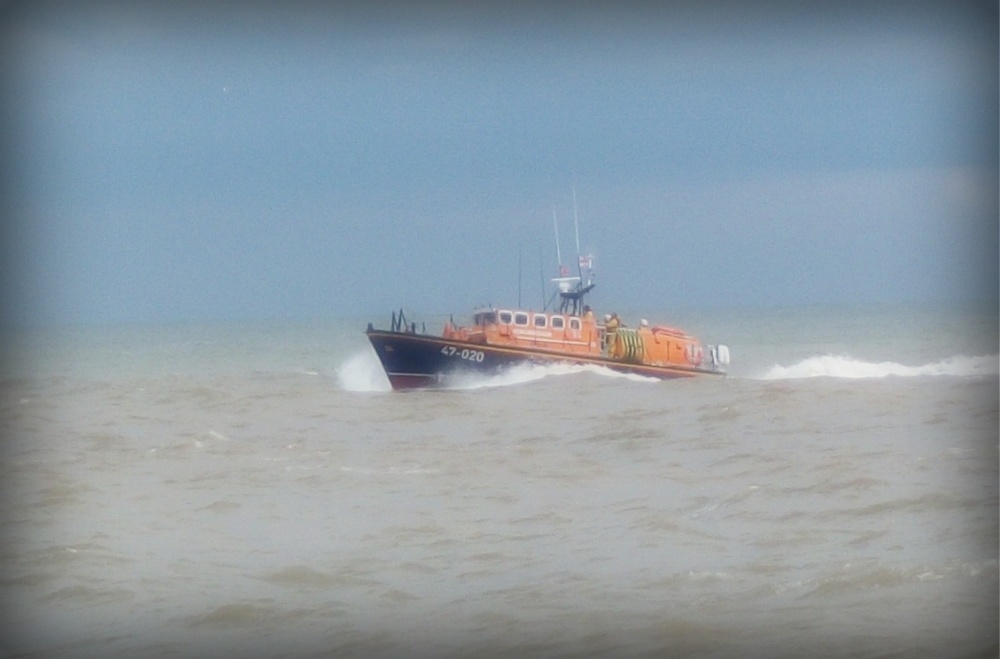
363,372
833,366
528,372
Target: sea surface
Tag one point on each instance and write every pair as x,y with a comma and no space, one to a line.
254,490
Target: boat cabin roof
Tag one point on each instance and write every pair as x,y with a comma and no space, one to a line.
492,315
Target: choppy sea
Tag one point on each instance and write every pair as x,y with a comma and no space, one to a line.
254,490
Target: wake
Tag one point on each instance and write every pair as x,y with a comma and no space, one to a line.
524,373
832,366
363,373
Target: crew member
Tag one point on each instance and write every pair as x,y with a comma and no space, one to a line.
611,325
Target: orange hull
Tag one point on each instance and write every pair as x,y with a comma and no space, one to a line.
499,338
581,336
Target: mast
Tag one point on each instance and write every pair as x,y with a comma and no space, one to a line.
541,274
576,227
519,250
571,289
585,284
555,224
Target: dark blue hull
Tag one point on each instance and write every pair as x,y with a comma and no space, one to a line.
418,360
415,360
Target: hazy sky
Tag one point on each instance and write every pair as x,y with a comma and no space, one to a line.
228,160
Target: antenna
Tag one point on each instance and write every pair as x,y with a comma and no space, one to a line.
576,223
555,224
579,254
541,273
570,288
519,243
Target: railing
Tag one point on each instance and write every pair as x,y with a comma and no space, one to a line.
400,324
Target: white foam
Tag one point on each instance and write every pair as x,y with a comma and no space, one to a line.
363,372
846,367
527,372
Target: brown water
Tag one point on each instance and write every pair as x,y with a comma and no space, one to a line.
191,509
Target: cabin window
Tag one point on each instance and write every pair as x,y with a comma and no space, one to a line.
558,322
541,320
520,319
574,323
506,317
485,318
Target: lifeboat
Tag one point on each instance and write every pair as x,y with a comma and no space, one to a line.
499,337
